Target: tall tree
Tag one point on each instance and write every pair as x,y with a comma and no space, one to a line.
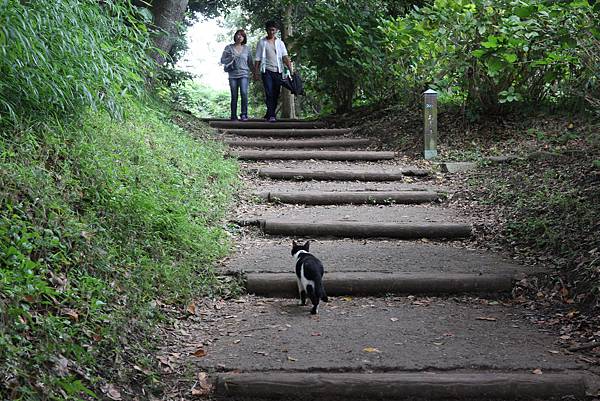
168,14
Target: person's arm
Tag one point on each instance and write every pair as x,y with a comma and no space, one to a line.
250,61
226,56
256,72
288,63
285,58
257,59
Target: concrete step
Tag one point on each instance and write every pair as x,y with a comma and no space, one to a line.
288,133
301,174
266,255
370,284
266,125
313,154
350,197
290,144
458,348
253,119
365,229
404,386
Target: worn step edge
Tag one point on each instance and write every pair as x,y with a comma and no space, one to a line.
266,125
254,119
311,154
290,144
338,175
403,386
346,229
288,133
283,285
351,197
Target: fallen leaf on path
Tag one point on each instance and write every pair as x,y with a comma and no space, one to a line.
200,352
72,313
291,359
112,392
315,334
236,341
261,353
537,371
394,319
371,349
346,298
202,386
438,344
139,369
553,351
61,366
191,309
165,361
487,319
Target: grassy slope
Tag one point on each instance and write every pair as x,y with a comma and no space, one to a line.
101,222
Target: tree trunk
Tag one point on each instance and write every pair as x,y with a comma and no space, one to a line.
167,14
288,108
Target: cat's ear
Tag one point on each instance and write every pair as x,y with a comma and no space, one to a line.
307,245
294,243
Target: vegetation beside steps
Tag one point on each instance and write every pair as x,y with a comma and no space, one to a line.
102,222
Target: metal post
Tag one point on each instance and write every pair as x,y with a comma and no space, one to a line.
430,116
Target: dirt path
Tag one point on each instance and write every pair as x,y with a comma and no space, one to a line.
428,318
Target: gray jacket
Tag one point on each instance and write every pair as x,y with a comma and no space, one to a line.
243,61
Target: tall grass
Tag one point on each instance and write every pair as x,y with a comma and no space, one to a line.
59,55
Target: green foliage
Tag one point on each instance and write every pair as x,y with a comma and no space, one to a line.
61,55
494,53
100,221
340,40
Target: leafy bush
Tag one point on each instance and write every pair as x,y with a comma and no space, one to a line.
340,40
491,53
61,55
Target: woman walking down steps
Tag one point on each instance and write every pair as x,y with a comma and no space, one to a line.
237,62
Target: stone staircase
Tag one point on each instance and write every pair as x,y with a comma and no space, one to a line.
414,313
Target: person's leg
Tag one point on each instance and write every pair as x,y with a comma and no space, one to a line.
268,85
233,88
276,90
244,96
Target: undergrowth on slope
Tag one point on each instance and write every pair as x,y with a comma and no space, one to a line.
101,222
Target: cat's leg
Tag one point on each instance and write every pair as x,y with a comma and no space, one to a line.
324,295
315,308
302,292
314,298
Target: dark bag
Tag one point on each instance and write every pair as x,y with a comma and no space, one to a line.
294,84
229,66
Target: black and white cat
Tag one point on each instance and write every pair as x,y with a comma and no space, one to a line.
309,274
